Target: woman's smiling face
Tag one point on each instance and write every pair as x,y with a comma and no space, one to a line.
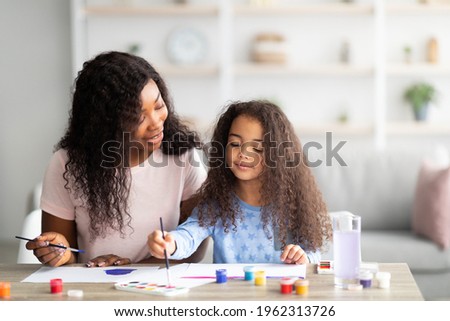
148,135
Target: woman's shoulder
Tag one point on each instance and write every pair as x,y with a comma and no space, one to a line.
60,153
59,158
193,157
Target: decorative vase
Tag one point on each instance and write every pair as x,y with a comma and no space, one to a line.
420,114
432,51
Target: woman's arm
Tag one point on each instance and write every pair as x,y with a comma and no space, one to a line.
52,223
57,231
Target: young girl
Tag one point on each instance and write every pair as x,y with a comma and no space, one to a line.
260,202
124,161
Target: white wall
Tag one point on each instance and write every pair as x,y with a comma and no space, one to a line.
34,98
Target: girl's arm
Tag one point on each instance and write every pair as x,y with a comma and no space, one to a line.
180,243
186,209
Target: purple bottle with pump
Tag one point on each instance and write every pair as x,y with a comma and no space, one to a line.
346,248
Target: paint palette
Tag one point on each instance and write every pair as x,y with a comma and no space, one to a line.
150,288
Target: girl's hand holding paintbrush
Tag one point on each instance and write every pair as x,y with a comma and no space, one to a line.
157,244
50,255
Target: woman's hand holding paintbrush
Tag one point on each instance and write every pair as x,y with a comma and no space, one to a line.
51,255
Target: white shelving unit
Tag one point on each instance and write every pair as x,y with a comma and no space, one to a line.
231,72
305,9
419,8
419,70
306,70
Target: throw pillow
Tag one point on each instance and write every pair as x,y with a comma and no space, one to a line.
431,209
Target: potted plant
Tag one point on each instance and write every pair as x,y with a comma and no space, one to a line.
420,95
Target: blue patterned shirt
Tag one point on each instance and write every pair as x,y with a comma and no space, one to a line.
249,243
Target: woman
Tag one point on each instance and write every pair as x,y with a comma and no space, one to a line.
125,161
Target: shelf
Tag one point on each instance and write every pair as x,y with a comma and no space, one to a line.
418,9
403,69
189,70
417,128
174,10
319,129
329,9
334,128
256,69
362,22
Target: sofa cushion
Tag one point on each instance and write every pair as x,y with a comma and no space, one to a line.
377,185
431,211
421,254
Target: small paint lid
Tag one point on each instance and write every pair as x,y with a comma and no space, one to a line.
260,273
287,281
75,293
249,268
56,282
354,287
221,272
365,275
301,282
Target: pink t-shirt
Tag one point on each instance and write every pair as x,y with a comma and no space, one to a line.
158,186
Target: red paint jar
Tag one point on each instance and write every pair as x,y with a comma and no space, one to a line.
56,286
286,285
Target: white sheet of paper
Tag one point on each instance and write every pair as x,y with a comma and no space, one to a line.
72,274
237,270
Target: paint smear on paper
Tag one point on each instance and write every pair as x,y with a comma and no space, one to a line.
119,271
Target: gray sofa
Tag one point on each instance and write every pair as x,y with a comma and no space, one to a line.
380,186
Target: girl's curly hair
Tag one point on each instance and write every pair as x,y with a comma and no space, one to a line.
106,105
293,202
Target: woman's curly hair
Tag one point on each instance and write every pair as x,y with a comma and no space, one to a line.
106,105
293,204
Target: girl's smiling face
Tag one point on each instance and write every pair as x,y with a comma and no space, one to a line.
244,151
148,135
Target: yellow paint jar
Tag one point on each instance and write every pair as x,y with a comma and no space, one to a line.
301,287
260,278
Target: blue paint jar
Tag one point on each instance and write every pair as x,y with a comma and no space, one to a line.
365,279
249,273
221,276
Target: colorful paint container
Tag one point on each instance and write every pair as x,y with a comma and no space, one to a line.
365,279
301,287
249,273
5,290
286,285
260,277
221,276
56,286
